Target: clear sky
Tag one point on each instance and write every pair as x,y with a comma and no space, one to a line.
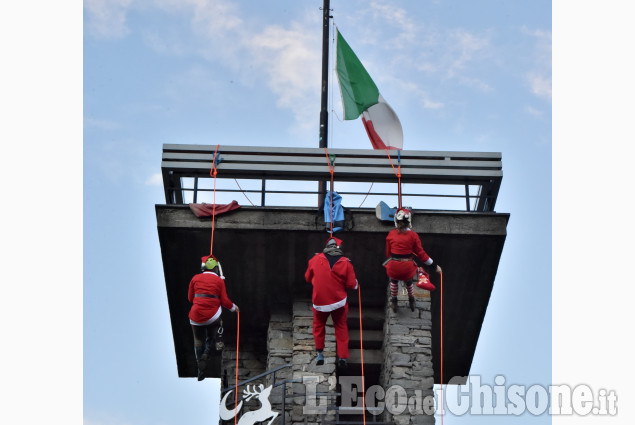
465,76
90,92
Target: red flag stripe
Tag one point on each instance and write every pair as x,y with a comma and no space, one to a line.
375,140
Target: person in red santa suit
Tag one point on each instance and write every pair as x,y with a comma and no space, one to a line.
331,274
207,294
404,252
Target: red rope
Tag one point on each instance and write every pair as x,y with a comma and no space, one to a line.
441,348
236,385
369,189
398,174
213,172
244,194
331,169
361,350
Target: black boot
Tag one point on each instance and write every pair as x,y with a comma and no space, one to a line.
342,364
201,360
411,301
393,304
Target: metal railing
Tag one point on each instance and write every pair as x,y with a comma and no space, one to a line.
476,175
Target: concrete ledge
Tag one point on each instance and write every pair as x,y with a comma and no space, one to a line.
307,219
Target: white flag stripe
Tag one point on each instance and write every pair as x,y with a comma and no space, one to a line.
385,123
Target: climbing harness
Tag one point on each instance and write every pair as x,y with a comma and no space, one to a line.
219,344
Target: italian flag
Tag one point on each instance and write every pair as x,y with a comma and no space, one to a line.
360,96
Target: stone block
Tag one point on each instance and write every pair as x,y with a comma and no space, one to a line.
301,358
423,360
303,348
399,359
425,340
415,323
418,349
302,336
326,368
306,322
401,340
398,329
298,388
280,353
415,350
422,371
399,372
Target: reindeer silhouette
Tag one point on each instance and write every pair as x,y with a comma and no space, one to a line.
253,416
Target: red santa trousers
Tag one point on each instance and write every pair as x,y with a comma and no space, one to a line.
341,329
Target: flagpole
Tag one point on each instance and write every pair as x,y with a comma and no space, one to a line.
324,114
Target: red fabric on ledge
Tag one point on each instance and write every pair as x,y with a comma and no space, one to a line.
207,210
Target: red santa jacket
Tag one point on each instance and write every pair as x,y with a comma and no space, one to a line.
206,310
406,243
330,284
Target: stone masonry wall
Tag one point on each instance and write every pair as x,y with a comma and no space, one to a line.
304,356
408,355
251,362
289,341
252,358
280,352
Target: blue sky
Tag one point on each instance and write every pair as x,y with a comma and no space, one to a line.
460,77
108,88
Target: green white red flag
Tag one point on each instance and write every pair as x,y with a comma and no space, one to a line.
360,96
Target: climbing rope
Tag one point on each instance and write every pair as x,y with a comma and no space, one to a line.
244,194
236,384
397,173
332,170
369,189
441,326
213,172
361,350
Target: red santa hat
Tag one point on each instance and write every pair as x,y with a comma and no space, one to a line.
403,214
334,241
209,262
